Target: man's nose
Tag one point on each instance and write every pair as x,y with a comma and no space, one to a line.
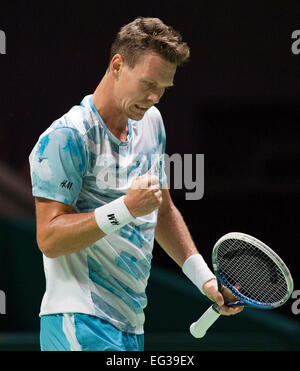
155,95
154,98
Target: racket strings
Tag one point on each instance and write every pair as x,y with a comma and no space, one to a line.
252,272
260,272
257,269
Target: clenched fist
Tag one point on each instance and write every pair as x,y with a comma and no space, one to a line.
144,195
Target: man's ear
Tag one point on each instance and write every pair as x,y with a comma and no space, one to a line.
116,65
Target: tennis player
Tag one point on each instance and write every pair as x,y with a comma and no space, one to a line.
102,197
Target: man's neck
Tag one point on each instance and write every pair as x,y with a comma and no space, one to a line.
105,104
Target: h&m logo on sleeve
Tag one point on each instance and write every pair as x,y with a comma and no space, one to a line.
2,302
66,184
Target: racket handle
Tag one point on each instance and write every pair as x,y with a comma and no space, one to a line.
198,329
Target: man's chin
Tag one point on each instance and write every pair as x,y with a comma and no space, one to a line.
136,116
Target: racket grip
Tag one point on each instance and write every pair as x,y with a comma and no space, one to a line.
198,329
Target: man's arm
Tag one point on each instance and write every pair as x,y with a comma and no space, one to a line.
172,233
61,230
173,236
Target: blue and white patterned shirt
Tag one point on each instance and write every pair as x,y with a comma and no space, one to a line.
79,162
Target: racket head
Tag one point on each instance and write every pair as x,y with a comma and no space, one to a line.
252,271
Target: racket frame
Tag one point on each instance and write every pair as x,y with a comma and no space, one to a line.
243,300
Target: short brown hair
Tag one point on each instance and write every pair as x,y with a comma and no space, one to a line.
152,34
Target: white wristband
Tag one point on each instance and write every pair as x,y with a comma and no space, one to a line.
113,216
196,269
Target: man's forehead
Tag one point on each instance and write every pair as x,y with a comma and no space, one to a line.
152,58
152,66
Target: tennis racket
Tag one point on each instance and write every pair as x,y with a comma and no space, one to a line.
251,271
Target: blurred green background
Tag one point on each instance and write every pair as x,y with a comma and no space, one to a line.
174,303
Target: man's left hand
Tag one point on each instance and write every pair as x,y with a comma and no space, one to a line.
210,289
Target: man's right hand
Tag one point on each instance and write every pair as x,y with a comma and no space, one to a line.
144,195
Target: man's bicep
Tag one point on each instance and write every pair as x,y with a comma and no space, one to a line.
47,210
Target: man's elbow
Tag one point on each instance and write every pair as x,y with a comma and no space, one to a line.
46,246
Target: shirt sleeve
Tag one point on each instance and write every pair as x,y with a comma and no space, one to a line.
58,164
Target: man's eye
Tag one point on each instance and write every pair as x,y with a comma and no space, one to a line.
148,85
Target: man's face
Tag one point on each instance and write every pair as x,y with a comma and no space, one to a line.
139,88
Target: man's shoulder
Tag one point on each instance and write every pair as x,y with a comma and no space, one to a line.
152,119
70,127
154,113
155,120
79,118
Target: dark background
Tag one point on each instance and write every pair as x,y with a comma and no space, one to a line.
236,101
